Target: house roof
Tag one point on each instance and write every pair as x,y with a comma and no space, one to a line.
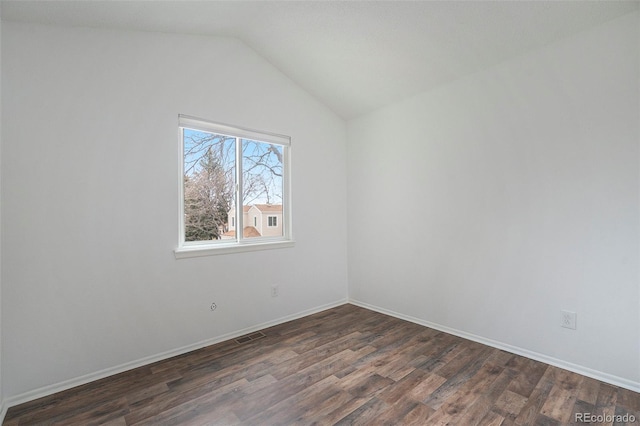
247,232
245,209
265,208
250,231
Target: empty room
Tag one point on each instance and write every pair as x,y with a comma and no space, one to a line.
319,212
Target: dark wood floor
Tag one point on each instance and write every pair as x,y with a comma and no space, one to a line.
346,365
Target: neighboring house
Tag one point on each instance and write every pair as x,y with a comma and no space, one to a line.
260,220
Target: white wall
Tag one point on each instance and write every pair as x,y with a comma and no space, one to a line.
519,191
89,199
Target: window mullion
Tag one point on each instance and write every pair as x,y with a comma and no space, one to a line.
239,200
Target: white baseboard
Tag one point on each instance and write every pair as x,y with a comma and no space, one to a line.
87,378
585,371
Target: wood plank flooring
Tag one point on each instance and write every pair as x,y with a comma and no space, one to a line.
343,366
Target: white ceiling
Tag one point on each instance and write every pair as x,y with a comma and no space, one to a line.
355,56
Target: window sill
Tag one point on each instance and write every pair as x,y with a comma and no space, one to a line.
213,250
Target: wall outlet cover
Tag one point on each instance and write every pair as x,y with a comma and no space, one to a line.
569,320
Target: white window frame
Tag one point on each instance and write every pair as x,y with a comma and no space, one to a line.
240,244
272,223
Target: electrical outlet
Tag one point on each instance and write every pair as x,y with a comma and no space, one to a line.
569,320
275,291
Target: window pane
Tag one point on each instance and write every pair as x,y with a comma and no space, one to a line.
262,168
209,186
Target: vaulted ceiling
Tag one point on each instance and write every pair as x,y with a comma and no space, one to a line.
355,56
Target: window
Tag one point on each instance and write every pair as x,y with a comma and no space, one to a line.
232,182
